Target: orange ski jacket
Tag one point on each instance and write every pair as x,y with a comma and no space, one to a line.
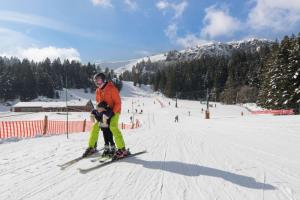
110,94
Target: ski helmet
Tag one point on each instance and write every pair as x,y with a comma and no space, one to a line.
99,76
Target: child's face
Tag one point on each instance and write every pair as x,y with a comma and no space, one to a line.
101,109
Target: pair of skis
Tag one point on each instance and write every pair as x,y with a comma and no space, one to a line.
75,160
103,162
108,162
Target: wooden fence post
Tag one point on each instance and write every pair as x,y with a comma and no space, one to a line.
207,115
84,125
45,125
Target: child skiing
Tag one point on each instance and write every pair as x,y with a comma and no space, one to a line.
103,114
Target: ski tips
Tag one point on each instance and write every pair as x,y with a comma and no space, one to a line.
82,171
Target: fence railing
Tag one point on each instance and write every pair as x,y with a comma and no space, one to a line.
275,112
26,129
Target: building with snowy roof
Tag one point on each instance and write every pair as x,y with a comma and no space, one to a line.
61,106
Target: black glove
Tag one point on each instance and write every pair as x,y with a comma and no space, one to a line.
94,112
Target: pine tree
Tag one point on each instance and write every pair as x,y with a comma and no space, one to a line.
268,88
293,75
27,90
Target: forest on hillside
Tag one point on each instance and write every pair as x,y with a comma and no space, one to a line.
26,80
269,76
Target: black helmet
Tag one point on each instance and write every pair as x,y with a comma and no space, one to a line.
100,75
102,104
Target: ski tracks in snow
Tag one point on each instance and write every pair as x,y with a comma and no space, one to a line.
220,158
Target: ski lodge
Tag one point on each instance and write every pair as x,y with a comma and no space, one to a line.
71,106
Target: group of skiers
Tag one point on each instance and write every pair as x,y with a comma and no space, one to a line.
106,118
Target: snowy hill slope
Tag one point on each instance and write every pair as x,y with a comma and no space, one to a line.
225,157
121,66
129,90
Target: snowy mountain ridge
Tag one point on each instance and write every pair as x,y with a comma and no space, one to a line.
219,49
209,49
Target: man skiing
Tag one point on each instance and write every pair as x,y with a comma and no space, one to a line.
108,93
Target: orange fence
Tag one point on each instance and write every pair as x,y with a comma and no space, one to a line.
275,112
21,129
137,124
58,127
26,129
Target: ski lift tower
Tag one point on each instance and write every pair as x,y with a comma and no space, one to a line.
207,115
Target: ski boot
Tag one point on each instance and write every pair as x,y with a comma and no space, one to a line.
106,151
89,151
112,151
121,153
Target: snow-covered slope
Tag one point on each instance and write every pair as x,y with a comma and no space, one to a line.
226,157
121,66
129,90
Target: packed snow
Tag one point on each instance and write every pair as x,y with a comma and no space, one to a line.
229,156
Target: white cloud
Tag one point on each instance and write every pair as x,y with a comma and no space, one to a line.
278,15
41,21
177,8
190,40
40,54
10,40
171,31
218,22
132,5
104,3
19,45
161,5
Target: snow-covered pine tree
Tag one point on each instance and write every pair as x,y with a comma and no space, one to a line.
293,100
268,88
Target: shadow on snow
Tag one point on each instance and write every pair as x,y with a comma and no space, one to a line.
197,170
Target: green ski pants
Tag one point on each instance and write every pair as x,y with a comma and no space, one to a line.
113,126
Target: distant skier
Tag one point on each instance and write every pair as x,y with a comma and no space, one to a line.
131,119
103,115
107,92
176,118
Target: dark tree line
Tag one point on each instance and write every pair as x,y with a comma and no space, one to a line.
224,76
27,80
268,76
